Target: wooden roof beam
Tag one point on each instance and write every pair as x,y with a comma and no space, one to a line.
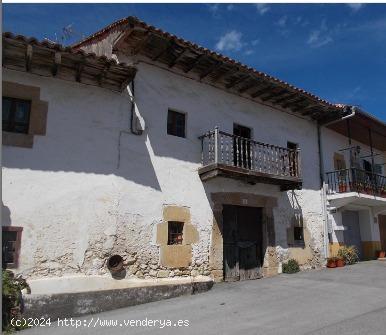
194,63
176,59
252,83
261,91
166,47
141,44
211,69
28,57
274,94
236,82
57,63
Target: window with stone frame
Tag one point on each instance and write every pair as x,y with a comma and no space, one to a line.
11,243
16,115
175,232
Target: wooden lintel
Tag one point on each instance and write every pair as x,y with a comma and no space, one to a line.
28,57
57,62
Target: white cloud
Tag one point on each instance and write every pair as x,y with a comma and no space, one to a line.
231,41
355,6
282,22
255,42
262,8
320,37
249,52
213,8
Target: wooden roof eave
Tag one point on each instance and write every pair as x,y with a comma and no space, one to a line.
45,59
160,49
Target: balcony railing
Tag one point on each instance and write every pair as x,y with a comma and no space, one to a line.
356,180
243,155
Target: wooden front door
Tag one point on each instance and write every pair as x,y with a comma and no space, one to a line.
243,242
382,230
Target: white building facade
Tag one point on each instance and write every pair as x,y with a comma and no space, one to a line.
174,174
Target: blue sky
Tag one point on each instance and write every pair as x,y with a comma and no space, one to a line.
337,51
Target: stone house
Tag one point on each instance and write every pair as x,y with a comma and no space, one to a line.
180,161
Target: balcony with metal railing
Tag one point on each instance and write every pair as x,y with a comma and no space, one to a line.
356,180
231,156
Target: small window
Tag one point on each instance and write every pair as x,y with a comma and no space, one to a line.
176,123
16,113
175,232
298,234
11,246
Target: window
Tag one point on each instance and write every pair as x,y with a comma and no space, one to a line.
176,123
298,234
175,232
11,246
16,114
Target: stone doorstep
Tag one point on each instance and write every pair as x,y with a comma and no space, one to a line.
381,259
62,305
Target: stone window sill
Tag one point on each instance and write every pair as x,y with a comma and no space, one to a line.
17,140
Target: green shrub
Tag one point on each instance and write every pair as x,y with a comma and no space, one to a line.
349,254
292,266
12,296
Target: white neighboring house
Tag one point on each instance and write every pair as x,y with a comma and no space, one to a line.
198,165
354,159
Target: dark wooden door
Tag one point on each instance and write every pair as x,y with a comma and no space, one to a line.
243,239
382,230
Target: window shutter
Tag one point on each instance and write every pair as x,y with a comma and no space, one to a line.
38,118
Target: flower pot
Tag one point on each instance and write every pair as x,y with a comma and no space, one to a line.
381,254
339,263
331,264
342,188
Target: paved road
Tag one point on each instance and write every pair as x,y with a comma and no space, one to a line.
350,300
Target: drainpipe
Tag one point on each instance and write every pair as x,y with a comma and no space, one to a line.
136,124
133,118
323,185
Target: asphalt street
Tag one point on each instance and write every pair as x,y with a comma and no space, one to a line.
349,300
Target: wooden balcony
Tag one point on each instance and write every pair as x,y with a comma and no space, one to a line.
230,156
356,180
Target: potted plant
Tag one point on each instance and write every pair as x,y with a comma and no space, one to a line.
381,254
339,262
331,262
349,254
342,187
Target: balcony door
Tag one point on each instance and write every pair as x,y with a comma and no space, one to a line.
242,146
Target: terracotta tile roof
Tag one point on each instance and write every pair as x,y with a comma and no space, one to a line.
134,21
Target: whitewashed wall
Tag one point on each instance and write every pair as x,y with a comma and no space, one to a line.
77,205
